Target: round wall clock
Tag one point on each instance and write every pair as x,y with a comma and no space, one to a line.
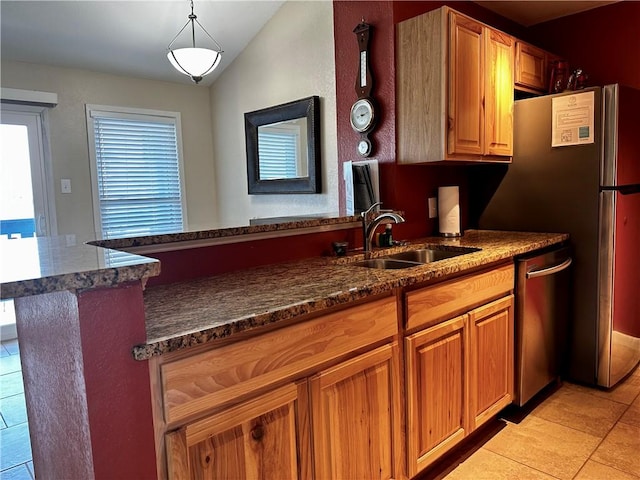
362,115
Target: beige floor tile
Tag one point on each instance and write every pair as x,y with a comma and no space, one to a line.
621,449
632,415
625,392
545,446
577,409
596,471
486,465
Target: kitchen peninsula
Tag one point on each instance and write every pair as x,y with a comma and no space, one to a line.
113,371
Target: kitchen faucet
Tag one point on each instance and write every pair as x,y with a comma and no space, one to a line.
369,227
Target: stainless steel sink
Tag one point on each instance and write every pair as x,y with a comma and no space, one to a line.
427,255
412,258
386,263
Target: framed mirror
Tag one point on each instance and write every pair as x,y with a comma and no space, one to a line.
283,148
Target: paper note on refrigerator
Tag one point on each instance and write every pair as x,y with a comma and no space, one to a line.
572,119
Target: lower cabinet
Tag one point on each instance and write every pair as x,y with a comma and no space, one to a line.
492,359
353,417
436,369
316,399
351,410
459,367
256,439
325,398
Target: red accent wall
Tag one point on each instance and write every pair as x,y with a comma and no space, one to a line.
181,265
117,386
605,42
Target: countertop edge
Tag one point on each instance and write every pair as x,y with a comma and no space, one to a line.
74,281
444,269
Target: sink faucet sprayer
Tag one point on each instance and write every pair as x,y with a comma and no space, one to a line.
369,228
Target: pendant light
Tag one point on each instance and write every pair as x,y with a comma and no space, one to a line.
192,61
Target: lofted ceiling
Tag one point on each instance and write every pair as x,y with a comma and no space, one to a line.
130,37
125,37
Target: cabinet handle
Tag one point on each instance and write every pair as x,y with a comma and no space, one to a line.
257,432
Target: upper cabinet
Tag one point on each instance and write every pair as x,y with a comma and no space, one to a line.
532,68
454,90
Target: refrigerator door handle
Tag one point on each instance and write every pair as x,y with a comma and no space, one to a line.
549,270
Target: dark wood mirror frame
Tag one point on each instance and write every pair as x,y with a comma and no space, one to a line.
306,107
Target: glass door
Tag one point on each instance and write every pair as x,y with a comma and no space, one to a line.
24,207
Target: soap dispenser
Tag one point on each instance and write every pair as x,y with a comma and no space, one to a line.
386,238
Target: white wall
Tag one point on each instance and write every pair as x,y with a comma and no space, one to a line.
69,147
291,58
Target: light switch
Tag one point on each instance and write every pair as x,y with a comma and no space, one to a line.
65,185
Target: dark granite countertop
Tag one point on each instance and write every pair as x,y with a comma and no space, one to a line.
189,313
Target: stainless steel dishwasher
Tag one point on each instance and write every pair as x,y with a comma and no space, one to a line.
542,300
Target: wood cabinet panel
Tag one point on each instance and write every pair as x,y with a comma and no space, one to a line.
499,48
354,417
193,385
492,359
466,86
254,440
421,80
531,67
443,300
437,371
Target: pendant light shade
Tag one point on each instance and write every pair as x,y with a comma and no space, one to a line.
192,61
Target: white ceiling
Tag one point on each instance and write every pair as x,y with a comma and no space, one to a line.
130,37
125,37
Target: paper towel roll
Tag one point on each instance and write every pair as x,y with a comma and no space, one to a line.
449,211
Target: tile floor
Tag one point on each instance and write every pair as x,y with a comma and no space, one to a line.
15,449
576,433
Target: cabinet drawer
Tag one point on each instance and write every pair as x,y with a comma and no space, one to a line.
211,379
431,304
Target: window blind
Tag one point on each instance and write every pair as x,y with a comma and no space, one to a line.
138,176
278,154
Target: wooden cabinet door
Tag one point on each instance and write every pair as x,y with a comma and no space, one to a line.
492,359
499,49
531,67
257,439
466,86
436,384
354,417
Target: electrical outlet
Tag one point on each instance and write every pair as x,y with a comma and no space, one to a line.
65,185
433,207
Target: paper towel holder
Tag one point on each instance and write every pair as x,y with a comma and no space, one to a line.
449,211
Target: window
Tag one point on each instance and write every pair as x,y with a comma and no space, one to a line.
136,171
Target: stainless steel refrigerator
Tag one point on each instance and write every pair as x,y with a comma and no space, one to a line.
588,185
